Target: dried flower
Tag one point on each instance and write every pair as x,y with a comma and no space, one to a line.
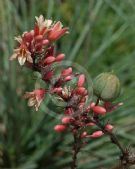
35,98
22,54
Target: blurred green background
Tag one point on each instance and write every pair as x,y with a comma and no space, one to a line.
102,37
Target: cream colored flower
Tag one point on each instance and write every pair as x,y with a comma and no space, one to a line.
42,23
22,54
35,98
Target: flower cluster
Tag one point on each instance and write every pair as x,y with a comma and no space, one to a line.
36,51
32,44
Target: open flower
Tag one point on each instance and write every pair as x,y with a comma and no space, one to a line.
22,54
35,98
43,23
57,31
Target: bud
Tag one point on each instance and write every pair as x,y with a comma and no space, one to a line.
28,36
91,124
49,60
39,38
60,128
66,120
57,90
80,90
81,80
66,72
68,78
107,86
99,110
45,42
109,127
68,111
97,134
60,57
47,76
84,134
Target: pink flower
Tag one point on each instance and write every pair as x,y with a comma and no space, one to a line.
66,72
56,31
81,80
60,57
91,124
60,128
81,91
66,120
109,127
57,90
97,134
84,134
35,98
47,76
49,60
99,110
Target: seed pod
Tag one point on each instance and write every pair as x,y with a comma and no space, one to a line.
107,86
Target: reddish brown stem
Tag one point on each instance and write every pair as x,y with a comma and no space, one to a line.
75,150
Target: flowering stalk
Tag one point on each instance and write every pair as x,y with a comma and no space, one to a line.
36,51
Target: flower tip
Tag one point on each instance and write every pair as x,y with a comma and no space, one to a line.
99,110
97,134
60,128
66,120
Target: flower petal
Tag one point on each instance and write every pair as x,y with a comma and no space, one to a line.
21,60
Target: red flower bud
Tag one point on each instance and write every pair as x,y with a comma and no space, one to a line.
66,72
68,111
91,124
28,36
109,127
68,78
66,120
57,90
60,128
39,38
45,42
97,134
49,60
92,104
60,57
47,76
80,90
84,134
99,110
81,80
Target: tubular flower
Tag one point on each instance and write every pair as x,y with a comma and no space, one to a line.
22,54
35,98
57,31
